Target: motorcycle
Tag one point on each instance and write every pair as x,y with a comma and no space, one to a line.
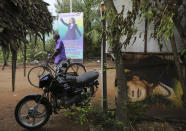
59,91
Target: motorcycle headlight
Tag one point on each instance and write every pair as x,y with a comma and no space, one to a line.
45,80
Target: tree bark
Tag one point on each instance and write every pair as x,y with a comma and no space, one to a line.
44,42
25,59
109,4
30,36
122,91
145,35
13,48
177,21
178,66
35,40
121,98
181,32
103,66
14,59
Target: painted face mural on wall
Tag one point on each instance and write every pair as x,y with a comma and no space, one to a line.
153,76
139,90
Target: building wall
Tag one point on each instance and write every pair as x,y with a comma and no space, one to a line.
152,44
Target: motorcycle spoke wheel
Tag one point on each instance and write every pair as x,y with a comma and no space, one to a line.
31,116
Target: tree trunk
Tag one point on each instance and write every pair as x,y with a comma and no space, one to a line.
13,48
110,5
146,35
14,59
178,67
181,32
35,41
177,21
85,49
44,42
24,59
122,91
30,37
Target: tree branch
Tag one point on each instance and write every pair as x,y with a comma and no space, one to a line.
110,4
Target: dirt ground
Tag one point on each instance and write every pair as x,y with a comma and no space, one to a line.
9,99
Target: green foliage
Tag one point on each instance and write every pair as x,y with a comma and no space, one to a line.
120,29
92,115
166,27
19,18
34,52
161,15
79,114
1,55
137,108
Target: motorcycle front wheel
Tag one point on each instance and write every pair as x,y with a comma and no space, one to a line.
31,115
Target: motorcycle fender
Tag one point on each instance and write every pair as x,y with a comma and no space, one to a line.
44,101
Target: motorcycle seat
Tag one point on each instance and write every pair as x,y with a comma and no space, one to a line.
87,77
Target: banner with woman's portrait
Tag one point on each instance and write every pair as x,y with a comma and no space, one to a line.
70,26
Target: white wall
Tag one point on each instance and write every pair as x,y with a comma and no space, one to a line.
152,44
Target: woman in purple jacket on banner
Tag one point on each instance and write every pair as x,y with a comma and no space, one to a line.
72,28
